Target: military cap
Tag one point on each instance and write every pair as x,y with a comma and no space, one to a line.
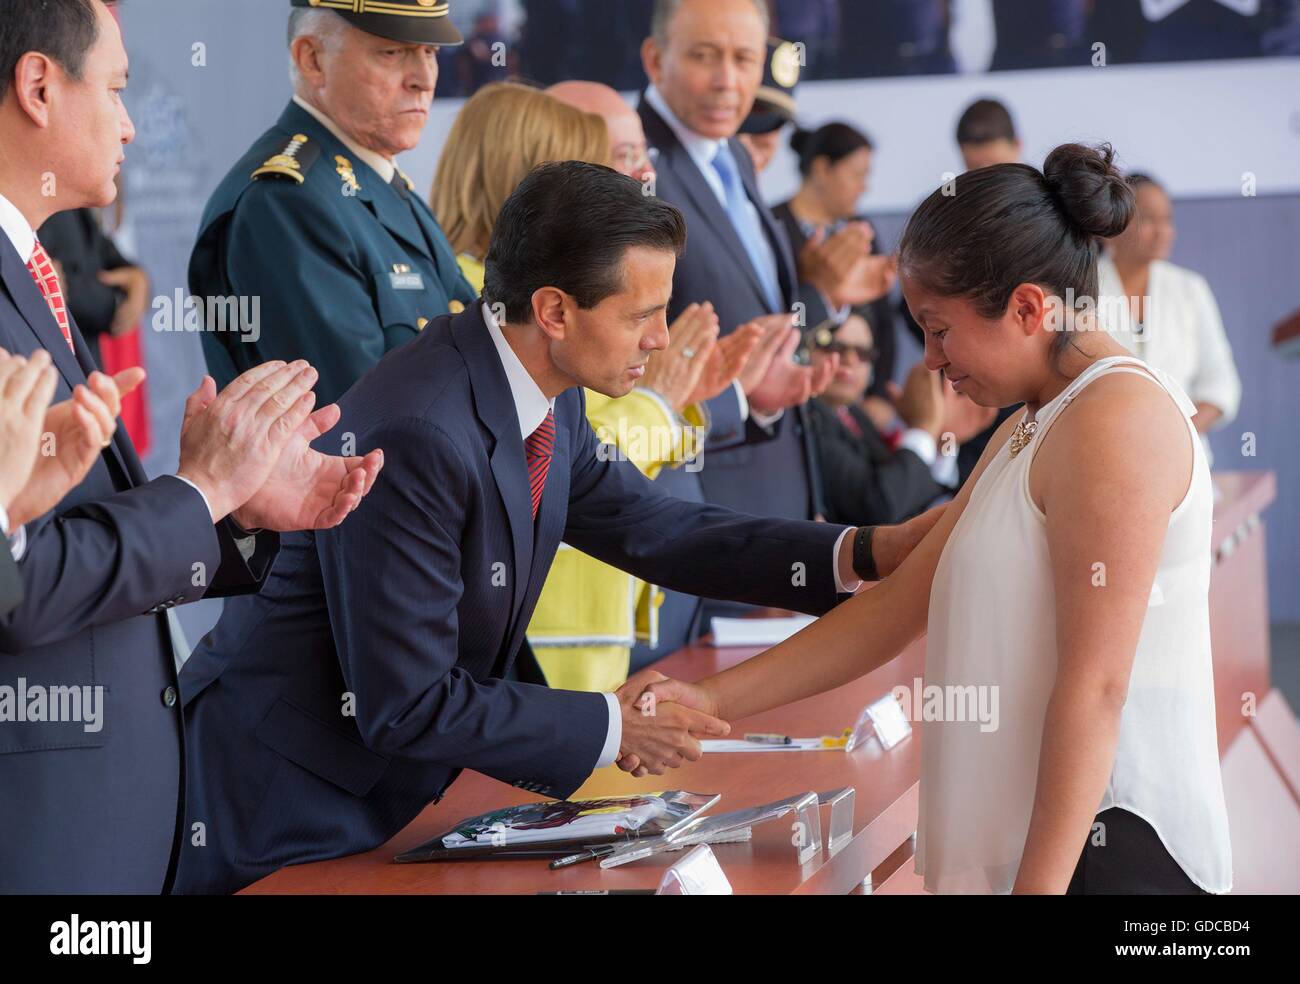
408,21
774,102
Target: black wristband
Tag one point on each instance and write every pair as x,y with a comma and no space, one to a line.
864,561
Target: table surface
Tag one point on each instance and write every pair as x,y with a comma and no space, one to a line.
885,783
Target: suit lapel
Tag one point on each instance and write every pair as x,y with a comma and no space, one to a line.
496,411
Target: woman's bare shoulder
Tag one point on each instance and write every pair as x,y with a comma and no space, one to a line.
1126,430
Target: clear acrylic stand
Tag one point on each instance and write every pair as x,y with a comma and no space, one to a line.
884,720
696,874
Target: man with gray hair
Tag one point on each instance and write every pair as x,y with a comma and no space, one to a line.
704,62
315,230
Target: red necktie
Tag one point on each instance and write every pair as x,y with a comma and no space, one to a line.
849,421
538,448
41,267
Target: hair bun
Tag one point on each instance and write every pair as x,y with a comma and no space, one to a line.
799,140
1090,190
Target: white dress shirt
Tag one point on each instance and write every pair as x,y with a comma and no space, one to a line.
531,407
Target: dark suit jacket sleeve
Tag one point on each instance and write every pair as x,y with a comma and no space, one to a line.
101,562
282,248
392,576
866,489
11,584
620,517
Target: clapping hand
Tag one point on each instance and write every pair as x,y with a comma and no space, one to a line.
675,372
71,434
726,362
248,449
787,384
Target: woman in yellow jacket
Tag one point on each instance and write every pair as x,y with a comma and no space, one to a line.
589,614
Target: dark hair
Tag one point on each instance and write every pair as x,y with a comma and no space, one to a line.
64,30
997,227
567,225
834,141
984,121
1137,179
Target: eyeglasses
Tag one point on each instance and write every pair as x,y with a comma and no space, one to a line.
864,353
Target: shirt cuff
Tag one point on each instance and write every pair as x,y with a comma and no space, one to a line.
614,736
944,470
742,399
842,586
207,504
921,443
18,543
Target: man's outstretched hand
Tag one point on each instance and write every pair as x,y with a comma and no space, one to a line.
663,720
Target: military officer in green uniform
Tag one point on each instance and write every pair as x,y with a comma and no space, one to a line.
315,245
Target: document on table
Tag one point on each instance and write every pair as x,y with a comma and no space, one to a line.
757,631
740,745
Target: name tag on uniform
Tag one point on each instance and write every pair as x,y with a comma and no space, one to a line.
406,280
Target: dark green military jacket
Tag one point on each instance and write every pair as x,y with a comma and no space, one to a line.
304,252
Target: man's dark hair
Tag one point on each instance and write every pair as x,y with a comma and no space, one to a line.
985,120
64,30
567,225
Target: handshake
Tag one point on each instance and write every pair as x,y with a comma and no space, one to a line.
663,720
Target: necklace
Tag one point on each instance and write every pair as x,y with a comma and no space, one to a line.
1022,435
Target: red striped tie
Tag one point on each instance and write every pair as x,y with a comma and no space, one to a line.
41,267
538,448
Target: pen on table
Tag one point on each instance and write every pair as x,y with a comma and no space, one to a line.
588,855
764,739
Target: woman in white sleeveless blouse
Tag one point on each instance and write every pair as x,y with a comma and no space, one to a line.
1070,575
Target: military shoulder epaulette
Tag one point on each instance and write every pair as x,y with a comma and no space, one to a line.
293,162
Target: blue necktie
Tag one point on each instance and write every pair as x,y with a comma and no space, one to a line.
745,221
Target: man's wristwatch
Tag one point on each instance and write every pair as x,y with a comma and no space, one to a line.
864,561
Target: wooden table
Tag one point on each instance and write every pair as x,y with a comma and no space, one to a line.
885,807
886,782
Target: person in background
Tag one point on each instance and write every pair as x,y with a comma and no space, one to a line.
987,135
106,293
867,481
774,105
485,56
841,270
1165,314
589,614
315,222
628,153
704,62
